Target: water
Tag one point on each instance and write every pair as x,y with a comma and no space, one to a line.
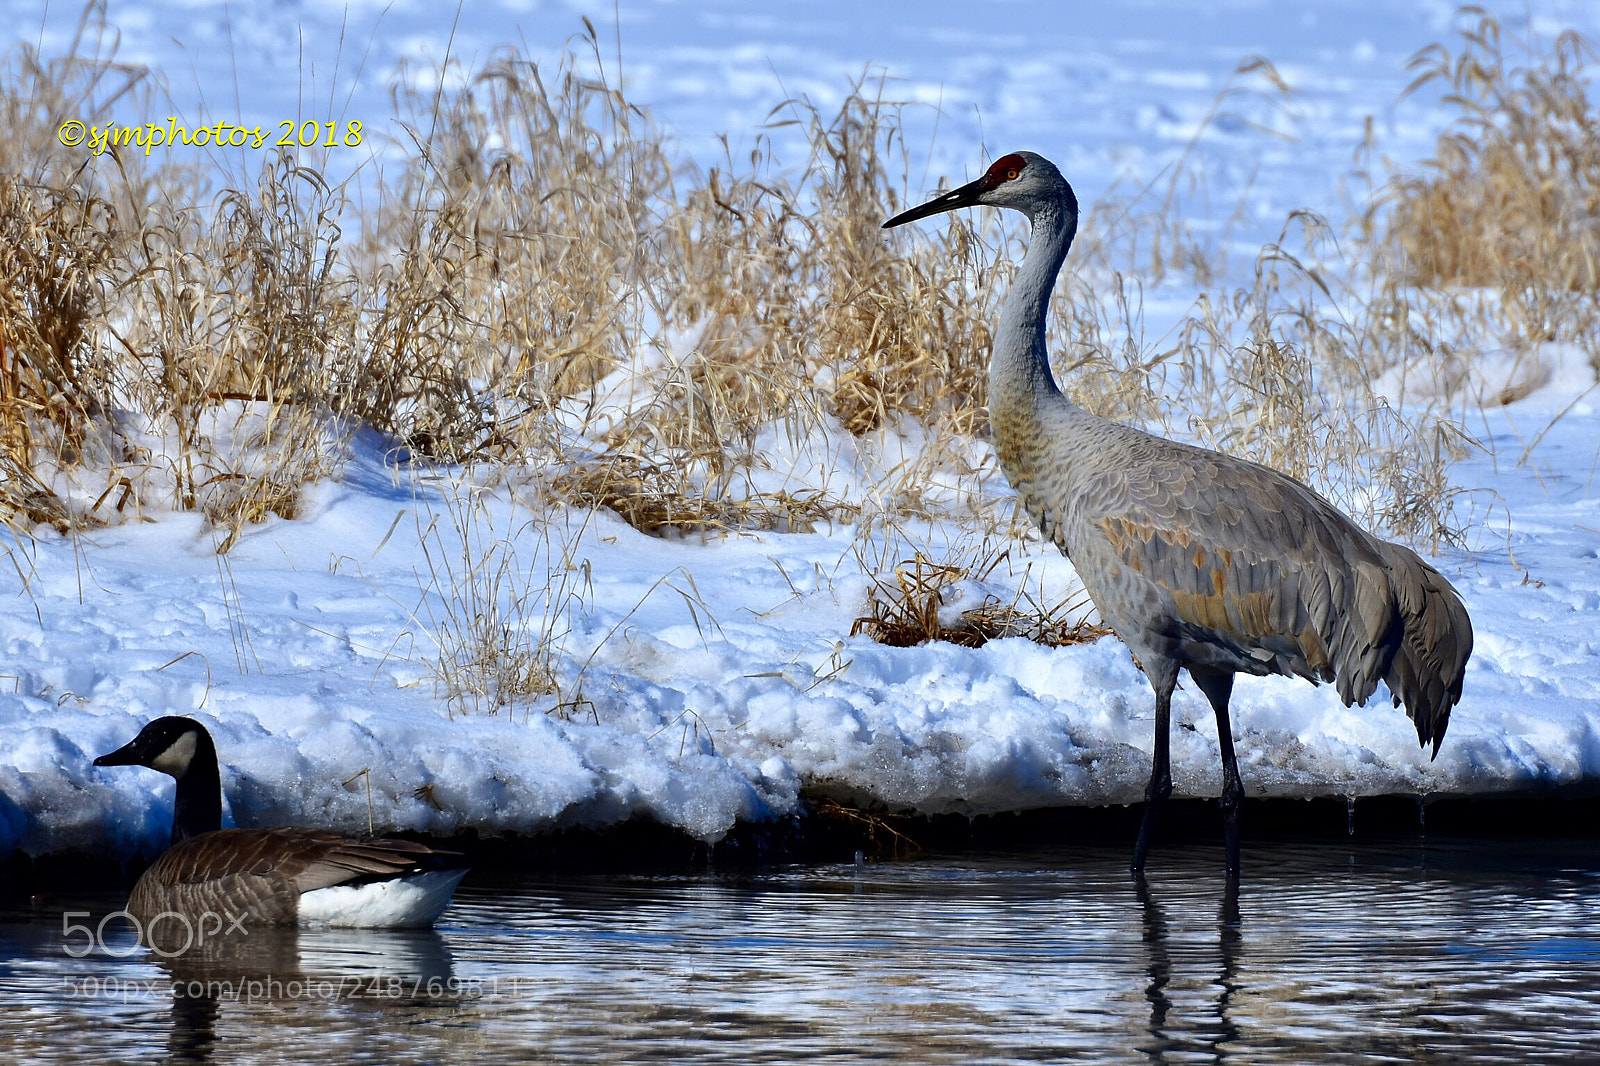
1450,952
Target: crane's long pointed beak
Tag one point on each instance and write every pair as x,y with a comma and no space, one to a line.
966,196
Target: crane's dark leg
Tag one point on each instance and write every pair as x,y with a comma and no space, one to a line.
1160,787
1218,686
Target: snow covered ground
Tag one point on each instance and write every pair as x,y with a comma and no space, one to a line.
719,673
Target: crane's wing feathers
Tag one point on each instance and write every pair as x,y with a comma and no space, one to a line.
1262,574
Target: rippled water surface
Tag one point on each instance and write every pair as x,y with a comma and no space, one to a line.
1448,952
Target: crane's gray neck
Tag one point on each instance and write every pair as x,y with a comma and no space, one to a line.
197,804
1019,370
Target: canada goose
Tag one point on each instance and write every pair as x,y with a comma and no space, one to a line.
214,879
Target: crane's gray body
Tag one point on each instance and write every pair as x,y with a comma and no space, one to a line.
1200,560
1196,558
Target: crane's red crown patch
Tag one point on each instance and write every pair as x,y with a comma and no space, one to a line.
1006,168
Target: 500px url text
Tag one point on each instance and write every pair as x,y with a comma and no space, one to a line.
151,135
266,987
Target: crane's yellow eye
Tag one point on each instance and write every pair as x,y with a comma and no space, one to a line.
1011,175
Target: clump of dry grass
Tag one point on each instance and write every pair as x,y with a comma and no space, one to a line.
236,320
1510,202
499,594
783,303
881,827
157,349
662,500
905,334
915,608
63,225
507,260
54,249
1513,193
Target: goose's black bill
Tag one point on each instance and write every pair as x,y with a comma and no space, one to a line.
127,755
966,196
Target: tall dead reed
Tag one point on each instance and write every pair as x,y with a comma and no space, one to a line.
504,263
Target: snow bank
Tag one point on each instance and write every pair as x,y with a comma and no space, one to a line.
718,679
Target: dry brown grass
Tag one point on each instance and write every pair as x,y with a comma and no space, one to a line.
904,334
505,263
1510,202
545,287
236,320
54,249
914,608
662,500
499,593
159,349
1512,194
881,828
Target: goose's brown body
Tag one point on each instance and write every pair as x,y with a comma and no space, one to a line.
259,875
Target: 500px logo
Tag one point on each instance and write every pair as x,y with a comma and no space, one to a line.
168,934
151,135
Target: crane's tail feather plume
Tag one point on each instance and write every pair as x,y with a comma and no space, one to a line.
1436,639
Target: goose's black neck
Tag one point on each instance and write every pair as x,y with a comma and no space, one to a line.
197,805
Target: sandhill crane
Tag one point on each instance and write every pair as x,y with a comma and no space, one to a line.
1199,560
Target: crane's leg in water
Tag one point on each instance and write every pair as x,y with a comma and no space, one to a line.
1160,787
1218,686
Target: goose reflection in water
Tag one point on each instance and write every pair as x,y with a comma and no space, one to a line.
1182,1040
370,968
